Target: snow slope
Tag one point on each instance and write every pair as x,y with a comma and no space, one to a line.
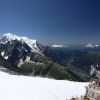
14,87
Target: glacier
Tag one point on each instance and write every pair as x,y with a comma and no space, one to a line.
30,42
13,87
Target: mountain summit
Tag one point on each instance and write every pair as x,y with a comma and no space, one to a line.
10,37
17,50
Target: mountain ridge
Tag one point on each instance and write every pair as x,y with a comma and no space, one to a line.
31,59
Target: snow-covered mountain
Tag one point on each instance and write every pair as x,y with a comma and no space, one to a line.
10,37
57,46
89,45
17,50
14,87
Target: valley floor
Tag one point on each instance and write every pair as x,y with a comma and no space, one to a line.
13,87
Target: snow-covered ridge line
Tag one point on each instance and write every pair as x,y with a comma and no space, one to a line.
13,87
30,42
10,36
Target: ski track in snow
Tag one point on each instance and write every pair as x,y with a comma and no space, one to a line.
13,87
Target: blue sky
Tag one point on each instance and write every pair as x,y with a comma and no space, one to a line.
52,21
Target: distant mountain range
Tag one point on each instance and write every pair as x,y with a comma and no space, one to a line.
92,45
89,45
21,55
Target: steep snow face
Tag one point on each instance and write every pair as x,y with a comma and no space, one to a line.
31,43
14,87
2,53
6,57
